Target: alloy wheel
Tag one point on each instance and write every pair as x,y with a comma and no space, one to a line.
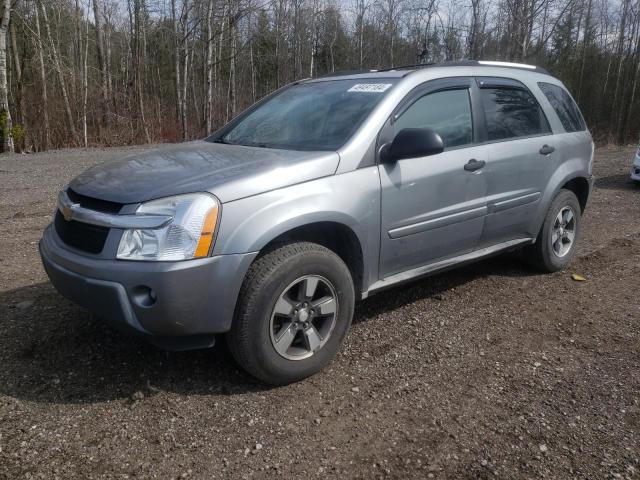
303,317
563,232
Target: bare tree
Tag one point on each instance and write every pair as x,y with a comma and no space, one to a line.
102,61
21,113
176,60
5,113
43,81
209,67
85,87
156,72
58,68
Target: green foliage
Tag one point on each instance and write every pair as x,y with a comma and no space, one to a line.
17,131
4,131
19,134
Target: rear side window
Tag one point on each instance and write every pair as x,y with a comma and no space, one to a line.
448,113
565,107
512,113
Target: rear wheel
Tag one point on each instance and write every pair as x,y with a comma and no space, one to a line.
294,310
556,243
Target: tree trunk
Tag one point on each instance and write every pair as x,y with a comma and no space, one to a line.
22,107
253,72
620,56
176,61
85,87
209,68
231,98
102,62
46,141
5,114
107,45
185,79
585,46
139,52
58,69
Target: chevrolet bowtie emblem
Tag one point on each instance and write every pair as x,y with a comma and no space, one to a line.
67,213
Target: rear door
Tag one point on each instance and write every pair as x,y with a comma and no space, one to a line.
521,160
432,207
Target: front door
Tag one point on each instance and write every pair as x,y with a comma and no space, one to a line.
433,207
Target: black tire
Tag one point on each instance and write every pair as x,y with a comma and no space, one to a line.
268,277
541,254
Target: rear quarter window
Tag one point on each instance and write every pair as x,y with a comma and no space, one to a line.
512,113
564,106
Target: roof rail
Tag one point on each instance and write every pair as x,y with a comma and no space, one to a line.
410,66
342,73
417,66
469,63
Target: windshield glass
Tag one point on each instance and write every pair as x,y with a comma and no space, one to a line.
311,116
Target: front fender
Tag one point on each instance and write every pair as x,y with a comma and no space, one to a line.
351,199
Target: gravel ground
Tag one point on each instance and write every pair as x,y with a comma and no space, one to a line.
490,371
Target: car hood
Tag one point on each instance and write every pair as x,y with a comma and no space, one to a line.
228,171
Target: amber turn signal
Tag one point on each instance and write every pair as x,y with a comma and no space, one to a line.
206,236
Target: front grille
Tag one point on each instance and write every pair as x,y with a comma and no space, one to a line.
94,203
83,236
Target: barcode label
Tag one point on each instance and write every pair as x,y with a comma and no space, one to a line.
370,87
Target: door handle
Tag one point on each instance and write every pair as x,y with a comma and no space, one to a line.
547,150
473,165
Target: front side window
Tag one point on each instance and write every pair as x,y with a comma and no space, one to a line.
310,116
565,107
447,112
512,113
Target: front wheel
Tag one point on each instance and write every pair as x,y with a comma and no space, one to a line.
294,310
556,243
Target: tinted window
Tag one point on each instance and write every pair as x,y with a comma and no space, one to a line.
310,116
447,112
512,113
565,107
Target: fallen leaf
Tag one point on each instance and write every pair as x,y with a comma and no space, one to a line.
578,278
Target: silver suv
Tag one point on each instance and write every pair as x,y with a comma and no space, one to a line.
321,194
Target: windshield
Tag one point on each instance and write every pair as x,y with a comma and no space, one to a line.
310,116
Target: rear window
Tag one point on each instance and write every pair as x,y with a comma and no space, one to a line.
565,107
512,113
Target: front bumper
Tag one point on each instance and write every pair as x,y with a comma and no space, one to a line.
191,301
635,170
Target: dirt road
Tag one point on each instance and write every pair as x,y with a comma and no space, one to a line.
491,371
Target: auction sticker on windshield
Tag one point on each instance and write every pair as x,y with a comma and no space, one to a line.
370,87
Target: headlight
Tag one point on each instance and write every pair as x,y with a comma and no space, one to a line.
189,235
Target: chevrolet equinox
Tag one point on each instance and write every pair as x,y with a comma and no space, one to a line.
319,195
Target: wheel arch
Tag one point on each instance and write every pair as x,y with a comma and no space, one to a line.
575,180
580,187
334,235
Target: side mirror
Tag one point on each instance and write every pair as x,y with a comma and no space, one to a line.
413,143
